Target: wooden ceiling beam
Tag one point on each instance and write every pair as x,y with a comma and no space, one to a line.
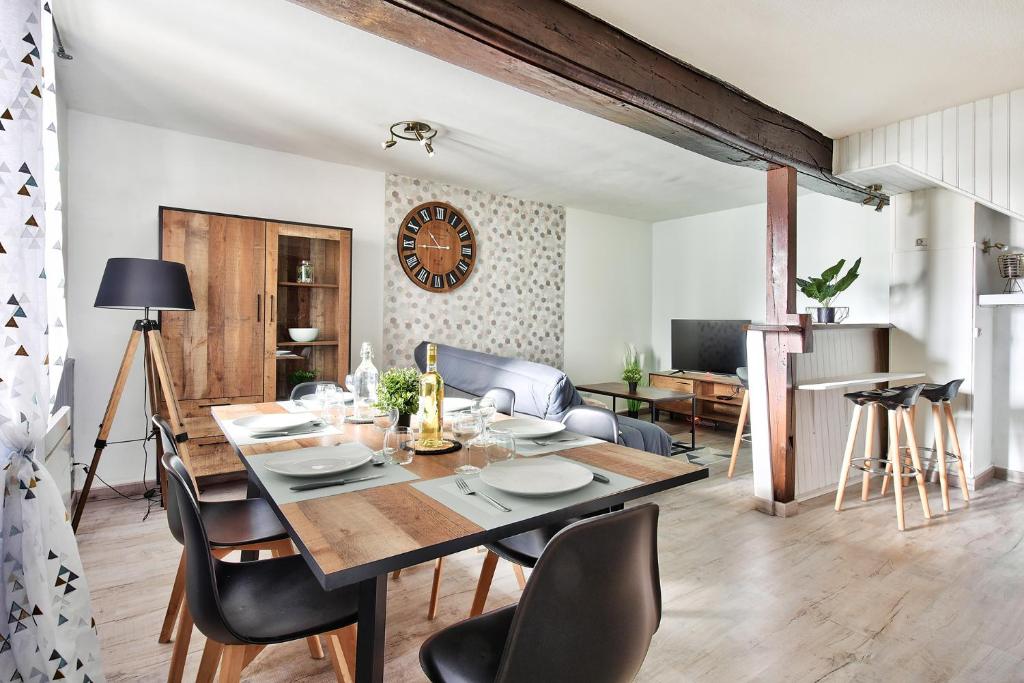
557,51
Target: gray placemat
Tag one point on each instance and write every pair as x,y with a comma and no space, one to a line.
482,513
279,486
553,444
241,436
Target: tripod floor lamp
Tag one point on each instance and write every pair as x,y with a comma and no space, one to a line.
144,285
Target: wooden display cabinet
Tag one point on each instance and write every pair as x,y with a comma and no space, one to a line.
243,273
719,397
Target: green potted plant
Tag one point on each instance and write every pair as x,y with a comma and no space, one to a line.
632,375
825,288
299,376
400,388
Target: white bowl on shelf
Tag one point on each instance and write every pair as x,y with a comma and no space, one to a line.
303,334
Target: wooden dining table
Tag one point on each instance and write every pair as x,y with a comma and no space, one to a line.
359,537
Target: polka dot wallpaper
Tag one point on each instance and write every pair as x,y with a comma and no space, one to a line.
513,303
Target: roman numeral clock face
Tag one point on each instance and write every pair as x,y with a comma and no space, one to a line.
437,247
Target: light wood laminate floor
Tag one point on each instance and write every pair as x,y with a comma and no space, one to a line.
817,597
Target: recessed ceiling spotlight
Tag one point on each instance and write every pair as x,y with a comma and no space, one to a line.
417,131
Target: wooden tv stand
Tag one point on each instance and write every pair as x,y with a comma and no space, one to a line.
709,388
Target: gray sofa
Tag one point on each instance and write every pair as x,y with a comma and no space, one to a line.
541,390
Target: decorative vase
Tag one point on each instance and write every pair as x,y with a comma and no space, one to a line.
635,414
404,419
632,387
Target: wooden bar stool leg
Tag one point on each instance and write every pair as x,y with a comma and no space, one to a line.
889,467
915,458
955,439
897,471
744,408
940,454
869,443
851,439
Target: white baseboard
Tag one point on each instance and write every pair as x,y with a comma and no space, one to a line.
775,508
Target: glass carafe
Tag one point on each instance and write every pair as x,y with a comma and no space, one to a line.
365,381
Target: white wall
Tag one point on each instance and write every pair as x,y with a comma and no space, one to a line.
712,265
119,173
607,290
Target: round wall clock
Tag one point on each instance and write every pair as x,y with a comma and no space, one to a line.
437,247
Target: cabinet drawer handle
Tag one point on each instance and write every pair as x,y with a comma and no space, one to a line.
271,308
259,308
214,405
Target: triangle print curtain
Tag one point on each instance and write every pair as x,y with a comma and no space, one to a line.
47,632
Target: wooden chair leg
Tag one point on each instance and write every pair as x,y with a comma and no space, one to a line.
897,470
869,445
174,603
435,589
251,652
955,441
342,646
208,664
889,466
915,458
520,576
851,440
940,454
744,408
181,642
231,663
483,585
395,574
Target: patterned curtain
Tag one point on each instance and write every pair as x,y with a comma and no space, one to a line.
47,632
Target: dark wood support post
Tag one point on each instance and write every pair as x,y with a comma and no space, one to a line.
794,335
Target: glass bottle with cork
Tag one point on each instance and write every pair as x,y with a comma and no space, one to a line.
432,406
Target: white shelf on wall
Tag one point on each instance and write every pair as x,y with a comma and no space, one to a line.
1015,299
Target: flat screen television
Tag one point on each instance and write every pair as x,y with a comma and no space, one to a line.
717,346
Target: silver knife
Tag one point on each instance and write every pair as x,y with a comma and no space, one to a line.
290,432
333,482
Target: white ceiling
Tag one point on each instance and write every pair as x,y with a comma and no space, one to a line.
270,74
841,66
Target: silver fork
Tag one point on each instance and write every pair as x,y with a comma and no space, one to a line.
464,487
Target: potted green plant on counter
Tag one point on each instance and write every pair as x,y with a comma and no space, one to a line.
399,388
825,288
632,375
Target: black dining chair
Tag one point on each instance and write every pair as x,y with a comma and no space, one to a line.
587,615
243,524
523,550
241,607
504,400
308,389
504,403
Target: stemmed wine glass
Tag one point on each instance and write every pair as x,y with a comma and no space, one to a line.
483,410
464,428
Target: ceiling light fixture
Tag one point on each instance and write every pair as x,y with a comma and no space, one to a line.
416,131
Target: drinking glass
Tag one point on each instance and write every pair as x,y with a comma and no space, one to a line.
398,445
483,409
334,411
464,428
385,419
324,393
501,446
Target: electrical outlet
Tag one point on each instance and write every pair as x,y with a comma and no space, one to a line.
921,242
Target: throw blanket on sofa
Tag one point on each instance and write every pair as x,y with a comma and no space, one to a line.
541,390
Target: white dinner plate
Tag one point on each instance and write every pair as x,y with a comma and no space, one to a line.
315,462
529,427
536,478
453,403
309,401
277,422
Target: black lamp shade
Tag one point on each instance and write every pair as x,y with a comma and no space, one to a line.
141,283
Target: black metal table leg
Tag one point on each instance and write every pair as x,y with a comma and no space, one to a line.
679,446
251,491
613,404
652,413
373,605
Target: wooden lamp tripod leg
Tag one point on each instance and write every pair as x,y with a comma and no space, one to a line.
163,371
108,420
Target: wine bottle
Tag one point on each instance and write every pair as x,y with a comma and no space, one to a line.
431,404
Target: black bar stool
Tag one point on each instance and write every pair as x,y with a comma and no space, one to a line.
941,397
897,403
